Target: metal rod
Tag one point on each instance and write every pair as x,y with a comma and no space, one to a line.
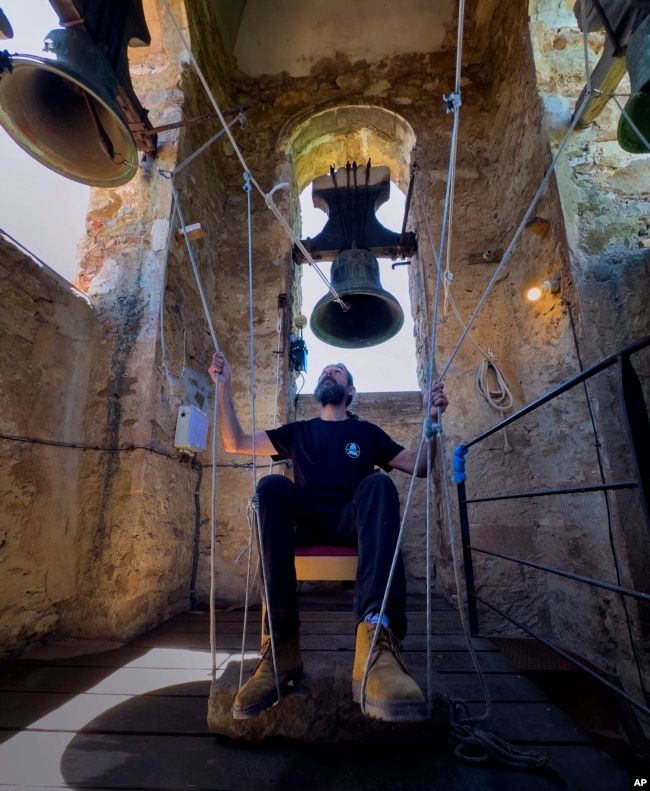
569,490
606,362
409,193
561,573
472,611
567,656
190,122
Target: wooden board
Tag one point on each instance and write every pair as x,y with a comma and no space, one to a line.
135,718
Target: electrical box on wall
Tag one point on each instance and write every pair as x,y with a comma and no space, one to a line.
191,430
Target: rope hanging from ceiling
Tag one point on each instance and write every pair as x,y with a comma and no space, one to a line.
497,395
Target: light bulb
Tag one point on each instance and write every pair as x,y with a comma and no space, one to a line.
547,287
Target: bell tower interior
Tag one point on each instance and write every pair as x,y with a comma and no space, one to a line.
102,522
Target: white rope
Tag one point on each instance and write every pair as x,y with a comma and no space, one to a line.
462,733
453,103
269,202
506,256
268,197
451,525
389,582
215,432
447,212
251,324
250,516
462,737
213,536
241,117
195,269
278,354
289,230
255,498
271,205
163,285
491,384
429,575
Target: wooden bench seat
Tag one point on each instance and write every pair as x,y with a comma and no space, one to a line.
322,564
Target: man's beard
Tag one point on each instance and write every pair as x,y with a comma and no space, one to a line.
329,392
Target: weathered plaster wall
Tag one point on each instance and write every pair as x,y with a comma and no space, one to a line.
136,546
295,37
48,337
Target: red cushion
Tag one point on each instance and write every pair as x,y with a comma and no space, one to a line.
327,551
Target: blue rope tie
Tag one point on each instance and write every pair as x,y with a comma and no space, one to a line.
459,463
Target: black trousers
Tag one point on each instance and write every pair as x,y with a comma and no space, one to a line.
370,523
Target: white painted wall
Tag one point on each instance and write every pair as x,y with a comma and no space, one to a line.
291,36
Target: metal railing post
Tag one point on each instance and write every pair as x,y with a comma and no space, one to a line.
472,611
638,427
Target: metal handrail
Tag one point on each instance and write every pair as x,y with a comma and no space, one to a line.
638,426
569,657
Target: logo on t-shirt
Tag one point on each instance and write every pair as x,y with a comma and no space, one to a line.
353,450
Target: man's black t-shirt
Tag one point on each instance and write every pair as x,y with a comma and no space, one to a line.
331,457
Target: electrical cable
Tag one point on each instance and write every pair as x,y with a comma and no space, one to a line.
119,449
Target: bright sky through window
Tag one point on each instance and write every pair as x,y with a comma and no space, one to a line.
390,366
43,211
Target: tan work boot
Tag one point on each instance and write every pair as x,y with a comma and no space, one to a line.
260,691
391,694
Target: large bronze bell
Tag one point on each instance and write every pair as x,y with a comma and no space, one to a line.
63,112
638,106
373,315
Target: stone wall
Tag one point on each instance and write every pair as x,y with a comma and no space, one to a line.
605,198
49,335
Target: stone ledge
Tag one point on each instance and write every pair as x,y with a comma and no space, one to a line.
320,709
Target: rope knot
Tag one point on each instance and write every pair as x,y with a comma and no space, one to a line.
269,195
431,429
247,181
452,102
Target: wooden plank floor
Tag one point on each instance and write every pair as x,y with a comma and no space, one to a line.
79,715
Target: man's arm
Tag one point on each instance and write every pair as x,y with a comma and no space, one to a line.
233,437
406,459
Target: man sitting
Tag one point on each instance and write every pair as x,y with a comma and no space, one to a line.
336,498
